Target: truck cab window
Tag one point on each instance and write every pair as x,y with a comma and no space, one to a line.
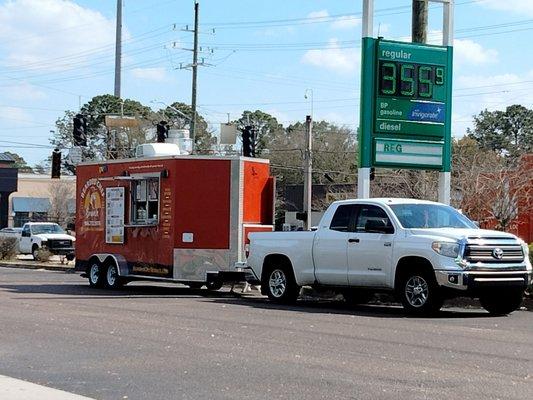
342,218
371,213
145,201
26,231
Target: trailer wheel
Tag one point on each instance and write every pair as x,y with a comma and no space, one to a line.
95,274
112,278
280,284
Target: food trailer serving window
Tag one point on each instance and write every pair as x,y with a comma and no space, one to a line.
144,201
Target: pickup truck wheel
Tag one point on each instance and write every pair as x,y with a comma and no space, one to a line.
501,303
195,285
35,253
214,284
112,278
95,274
419,293
281,285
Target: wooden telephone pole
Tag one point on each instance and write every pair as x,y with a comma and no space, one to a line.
419,26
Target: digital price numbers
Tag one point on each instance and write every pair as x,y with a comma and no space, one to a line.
410,80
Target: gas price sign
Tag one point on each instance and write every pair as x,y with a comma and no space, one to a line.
411,89
407,117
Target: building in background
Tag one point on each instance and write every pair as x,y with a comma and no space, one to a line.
40,198
8,185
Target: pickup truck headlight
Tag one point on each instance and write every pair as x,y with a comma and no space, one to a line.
525,249
446,249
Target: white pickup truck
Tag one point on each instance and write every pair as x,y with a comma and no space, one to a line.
422,251
38,235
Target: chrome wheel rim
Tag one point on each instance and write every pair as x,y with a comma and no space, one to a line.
277,283
416,291
111,275
94,273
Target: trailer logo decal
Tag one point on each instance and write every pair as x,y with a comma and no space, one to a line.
92,205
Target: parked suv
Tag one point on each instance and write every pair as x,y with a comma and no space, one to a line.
38,235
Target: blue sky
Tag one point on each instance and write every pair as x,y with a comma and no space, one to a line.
265,54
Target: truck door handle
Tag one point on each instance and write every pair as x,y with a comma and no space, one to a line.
387,244
353,240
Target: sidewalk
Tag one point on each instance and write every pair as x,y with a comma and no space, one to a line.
16,389
27,262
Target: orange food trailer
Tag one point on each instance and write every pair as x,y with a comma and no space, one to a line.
174,218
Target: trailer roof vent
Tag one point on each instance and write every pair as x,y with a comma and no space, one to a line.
157,150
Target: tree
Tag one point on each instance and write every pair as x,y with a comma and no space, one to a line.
486,186
62,196
20,163
266,126
99,138
508,132
203,135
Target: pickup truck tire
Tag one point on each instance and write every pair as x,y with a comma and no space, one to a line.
419,292
214,284
35,252
95,274
195,285
501,302
280,284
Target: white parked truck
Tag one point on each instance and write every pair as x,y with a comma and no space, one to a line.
46,235
422,251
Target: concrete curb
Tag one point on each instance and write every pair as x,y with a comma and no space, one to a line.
48,267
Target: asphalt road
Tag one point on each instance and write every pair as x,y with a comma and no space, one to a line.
167,342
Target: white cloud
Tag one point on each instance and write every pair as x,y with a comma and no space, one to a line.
522,7
40,32
318,14
334,58
150,74
465,51
346,22
469,52
23,91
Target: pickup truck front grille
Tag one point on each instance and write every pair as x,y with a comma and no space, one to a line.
58,244
494,253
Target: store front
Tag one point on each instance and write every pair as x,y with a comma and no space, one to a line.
8,185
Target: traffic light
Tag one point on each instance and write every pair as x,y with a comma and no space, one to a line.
162,131
56,164
248,142
80,130
372,173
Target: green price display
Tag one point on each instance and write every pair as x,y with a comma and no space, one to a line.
409,79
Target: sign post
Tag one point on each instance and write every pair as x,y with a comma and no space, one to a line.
406,91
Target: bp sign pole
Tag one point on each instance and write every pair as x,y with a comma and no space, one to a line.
405,120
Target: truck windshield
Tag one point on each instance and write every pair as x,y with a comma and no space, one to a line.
430,216
46,228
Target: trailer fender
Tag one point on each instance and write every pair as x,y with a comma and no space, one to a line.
119,260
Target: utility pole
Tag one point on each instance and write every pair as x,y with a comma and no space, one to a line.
118,49
308,170
419,26
194,75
